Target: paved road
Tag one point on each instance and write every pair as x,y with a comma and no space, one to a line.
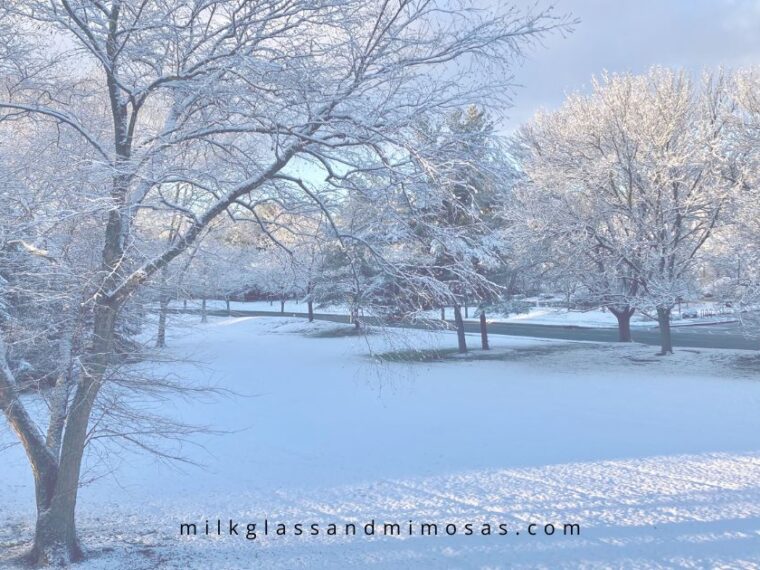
713,336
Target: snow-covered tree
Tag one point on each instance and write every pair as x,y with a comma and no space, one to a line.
232,97
630,183
744,239
464,164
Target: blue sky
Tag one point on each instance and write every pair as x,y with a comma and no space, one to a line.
633,35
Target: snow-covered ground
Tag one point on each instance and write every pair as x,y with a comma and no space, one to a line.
601,318
539,314
656,459
291,306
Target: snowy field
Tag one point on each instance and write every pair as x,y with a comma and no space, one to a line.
656,460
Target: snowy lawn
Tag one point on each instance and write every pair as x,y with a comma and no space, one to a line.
657,460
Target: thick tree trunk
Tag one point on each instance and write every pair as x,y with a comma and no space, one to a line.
462,341
466,311
666,342
483,331
55,537
310,306
53,544
229,311
282,306
204,313
443,313
354,318
624,322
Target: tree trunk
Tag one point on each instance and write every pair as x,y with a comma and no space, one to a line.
624,322
354,318
184,303
229,312
59,399
310,306
56,486
460,328
53,543
666,342
55,537
282,306
466,311
204,314
483,331
163,310
443,313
